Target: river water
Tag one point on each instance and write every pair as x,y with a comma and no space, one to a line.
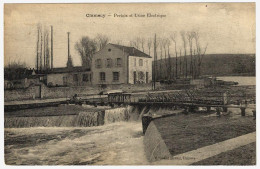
119,143
242,80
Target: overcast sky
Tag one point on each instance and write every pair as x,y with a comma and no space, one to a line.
226,27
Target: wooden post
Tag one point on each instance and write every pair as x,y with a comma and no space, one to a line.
208,109
218,111
254,113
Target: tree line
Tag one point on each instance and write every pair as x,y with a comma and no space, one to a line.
189,45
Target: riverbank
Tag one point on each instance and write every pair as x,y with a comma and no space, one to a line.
181,134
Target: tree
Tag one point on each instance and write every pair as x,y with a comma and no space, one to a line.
155,60
200,53
180,65
164,44
183,37
102,41
86,48
119,42
190,36
161,49
142,41
168,43
37,47
173,38
136,42
149,45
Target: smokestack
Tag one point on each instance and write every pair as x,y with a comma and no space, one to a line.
37,54
68,45
69,62
51,47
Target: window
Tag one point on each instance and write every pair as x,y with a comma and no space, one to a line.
109,50
75,77
85,78
115,76
109,63
102,76
98,63
140,62
134,61
146,63
118,62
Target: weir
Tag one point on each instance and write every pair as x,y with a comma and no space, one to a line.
82,119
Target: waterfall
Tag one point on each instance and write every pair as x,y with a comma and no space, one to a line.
82,119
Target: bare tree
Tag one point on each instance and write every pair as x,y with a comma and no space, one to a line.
161,56
41,52
168,43
164,45
180,65
200,53
149,45
37,47
136,42
142,41
131,43
154,60
173,38
119,42
86,48
47,51
102,41
190,36
183,37
194,64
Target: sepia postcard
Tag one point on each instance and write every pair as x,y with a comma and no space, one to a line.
129,84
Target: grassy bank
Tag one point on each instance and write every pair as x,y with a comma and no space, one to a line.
184,133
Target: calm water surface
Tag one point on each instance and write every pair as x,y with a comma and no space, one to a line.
242,80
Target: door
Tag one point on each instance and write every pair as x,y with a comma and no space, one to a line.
134,77
37,91
147,74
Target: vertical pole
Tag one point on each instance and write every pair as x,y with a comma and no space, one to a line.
37,57
51,47
243,111
68,46
155,63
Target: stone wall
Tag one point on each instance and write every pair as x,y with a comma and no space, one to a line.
19,94
63,92
155,147
67,92
48,92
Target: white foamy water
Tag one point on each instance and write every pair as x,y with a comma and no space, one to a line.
242,80
119,143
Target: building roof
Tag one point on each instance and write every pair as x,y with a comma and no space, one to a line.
69,70
131,51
